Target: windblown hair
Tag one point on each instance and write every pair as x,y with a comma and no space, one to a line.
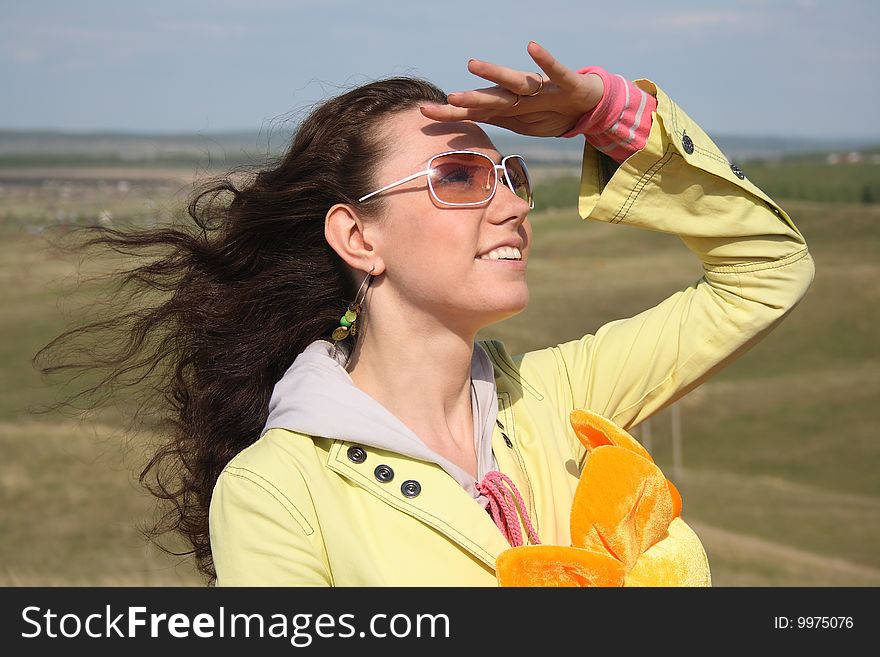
244,287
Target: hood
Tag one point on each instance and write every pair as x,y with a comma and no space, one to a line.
317,396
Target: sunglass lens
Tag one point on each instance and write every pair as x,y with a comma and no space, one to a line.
518,177
461,178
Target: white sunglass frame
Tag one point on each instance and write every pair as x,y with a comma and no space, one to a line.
427,172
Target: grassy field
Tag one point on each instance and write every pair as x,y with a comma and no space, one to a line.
779,480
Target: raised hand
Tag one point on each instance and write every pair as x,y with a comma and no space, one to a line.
528,103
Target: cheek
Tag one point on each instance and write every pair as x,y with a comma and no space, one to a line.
434,236
440,252
432,250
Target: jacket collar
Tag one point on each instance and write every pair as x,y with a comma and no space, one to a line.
316,396
440,502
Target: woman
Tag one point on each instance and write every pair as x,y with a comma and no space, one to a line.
336,422
371,461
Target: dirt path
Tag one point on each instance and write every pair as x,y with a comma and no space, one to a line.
753,549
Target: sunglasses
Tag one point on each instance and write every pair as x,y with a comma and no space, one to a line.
467,178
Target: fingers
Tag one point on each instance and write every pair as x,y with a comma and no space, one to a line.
539,124
522,101
513,81
510,83
491,98
516,82
564,77
452,113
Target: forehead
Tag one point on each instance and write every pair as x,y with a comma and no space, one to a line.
411,139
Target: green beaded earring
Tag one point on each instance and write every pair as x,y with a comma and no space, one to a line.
348,323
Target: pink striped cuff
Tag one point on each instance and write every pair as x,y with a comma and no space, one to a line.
620,124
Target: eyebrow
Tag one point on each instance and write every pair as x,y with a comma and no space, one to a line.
501,156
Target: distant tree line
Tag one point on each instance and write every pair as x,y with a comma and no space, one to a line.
819,182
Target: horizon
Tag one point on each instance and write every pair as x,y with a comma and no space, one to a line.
865,141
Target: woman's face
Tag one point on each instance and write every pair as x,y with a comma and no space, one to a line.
432,253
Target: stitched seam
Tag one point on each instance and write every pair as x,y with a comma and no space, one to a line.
273,487
679,132
712,155
673,372
563,369
640,185
736,270
308,529
675,119
785,261
636,190
316,440
419,513
508,414
739,286
510,370
600,178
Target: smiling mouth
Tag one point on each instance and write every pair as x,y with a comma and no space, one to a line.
502,253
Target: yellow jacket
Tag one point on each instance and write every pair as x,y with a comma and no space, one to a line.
294,509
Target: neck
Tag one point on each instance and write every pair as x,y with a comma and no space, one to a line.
418,369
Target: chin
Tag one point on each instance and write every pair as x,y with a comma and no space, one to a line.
514,307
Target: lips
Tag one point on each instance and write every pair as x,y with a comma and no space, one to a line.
512,242
502,253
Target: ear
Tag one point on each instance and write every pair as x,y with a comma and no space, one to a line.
353,239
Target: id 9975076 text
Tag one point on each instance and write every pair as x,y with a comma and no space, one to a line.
813,622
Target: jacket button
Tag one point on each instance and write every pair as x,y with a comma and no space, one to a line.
737,171
410,488
357,454
688,144
383,473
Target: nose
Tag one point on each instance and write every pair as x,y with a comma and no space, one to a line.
509,204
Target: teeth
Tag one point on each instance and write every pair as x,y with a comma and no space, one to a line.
503,253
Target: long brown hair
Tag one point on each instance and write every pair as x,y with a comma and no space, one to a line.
246,286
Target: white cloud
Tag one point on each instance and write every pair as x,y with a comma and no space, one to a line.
71,47
700,19
25,54
75,33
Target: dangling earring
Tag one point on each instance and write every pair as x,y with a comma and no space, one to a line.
348,323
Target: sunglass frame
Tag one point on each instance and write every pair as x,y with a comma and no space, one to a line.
489,197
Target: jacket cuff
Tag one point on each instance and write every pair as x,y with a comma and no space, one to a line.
679,156
597,116
620,123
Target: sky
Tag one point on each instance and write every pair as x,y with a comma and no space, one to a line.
741,67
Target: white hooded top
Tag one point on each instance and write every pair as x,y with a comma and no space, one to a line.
317,396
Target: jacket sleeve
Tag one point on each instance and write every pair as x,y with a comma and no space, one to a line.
756,268
258,537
